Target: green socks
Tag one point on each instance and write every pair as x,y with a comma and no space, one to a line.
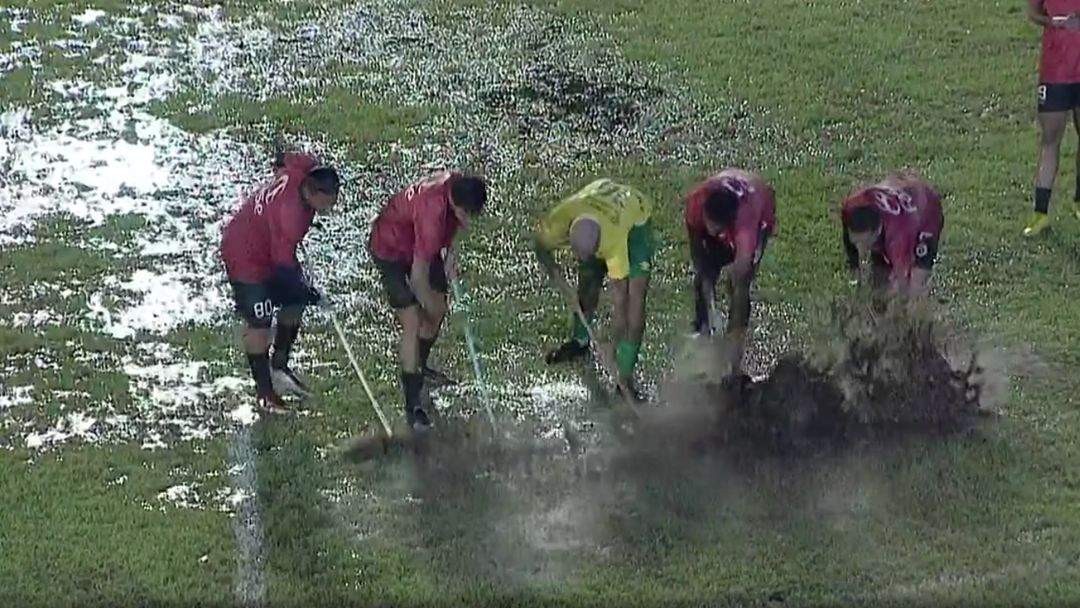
578,332
626,356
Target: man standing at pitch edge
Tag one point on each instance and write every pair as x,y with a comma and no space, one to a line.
896,224
412,244
1058,96
729,218
258,247
607,226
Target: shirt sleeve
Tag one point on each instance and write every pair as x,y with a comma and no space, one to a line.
429,226
900,250
618,260
287,224
747,230
934,219
693,215
554,228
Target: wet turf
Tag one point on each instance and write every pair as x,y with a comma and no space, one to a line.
546,96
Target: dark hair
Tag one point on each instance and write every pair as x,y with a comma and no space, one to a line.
864,218
324,180
469,193
722,206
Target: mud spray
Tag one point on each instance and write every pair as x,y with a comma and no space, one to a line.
526,510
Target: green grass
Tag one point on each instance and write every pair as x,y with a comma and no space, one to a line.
988,519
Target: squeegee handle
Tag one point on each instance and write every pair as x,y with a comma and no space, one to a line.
360,374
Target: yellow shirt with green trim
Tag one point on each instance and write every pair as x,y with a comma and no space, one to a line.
616,207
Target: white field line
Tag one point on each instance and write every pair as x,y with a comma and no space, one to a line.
250,587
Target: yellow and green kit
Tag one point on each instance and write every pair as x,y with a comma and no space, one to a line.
625,250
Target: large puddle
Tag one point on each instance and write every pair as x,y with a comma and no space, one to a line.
517,89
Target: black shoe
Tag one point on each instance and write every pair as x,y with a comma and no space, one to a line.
271,403
567,352
433,378
418,420
285,381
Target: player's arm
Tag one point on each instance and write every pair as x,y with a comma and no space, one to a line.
544,250
549,235
420,281
852,254
705,285
742,273
286,232
1036,12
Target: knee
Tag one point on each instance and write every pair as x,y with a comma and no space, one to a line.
410,320
1051,135
256,339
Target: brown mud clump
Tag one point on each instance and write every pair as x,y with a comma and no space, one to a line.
874,372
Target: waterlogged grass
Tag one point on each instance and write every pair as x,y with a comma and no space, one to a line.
988,519
326,112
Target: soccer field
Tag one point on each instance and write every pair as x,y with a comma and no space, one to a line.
134,470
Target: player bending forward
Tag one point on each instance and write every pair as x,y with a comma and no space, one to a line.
607,226
258,247
412,244
729,219
897,225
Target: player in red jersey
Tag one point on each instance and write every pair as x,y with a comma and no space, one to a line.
258,247
897,224
729,219
412,244
1058,96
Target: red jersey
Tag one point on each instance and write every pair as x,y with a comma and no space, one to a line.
911,216
270,224
1060,62
756,213
418,222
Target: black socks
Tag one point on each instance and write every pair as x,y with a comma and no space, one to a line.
283,342
260,371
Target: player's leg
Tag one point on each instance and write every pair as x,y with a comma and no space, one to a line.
590,282
879,272
641,245
289,317
709,259
1054,105
254,306
394,278
739,285
714,256
926,251
431,323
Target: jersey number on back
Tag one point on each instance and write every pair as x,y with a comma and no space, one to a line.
736,186
894,202
267,195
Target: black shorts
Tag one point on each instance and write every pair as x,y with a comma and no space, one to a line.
395,280
1058,97
926,251
254,303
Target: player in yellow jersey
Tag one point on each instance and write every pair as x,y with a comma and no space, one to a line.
607,226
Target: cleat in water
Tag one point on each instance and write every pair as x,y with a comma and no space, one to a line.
567,352
273,404
286,382
420,422
1037,224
